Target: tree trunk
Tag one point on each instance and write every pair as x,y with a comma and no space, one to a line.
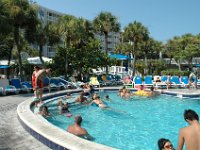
133,65
145,60
9,59
179,65
40,55
106,49
17,42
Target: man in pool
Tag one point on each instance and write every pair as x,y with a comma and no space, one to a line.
77,130
190,135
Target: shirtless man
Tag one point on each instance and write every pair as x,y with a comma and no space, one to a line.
190,135
40,75
77,130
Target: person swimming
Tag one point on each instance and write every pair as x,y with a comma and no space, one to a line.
99,102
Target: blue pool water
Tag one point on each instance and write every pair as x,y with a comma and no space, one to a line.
132,124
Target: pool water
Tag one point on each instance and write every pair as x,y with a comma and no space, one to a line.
132,124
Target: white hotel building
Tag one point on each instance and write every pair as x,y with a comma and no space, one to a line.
47,15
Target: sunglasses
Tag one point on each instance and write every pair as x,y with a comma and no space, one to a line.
168,146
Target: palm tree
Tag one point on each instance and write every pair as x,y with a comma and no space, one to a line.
23,17
105,23
135,33
66,28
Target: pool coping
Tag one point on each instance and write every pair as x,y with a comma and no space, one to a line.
58,139
49,134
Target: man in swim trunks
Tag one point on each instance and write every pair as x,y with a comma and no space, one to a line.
36,69
77,130
190,135
40,75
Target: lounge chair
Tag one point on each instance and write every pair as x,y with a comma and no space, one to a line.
164,79
28,85
6,88
110,78
118,80
17,84
158,83
148,81
48,85
137,81
103,80
68,85
54,81
175,80
93,81
185,81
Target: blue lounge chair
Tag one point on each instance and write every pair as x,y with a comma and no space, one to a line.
67,84
17,84
158,83
118,79
138,81
54,81
110,78
164,79
175,81
28,85
148,81
185,81
49,85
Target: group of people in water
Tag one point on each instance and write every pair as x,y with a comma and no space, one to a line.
190,135
126,93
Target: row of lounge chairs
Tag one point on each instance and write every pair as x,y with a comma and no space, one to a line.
160,81
106,80
15,86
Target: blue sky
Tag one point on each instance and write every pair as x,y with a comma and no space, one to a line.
164,18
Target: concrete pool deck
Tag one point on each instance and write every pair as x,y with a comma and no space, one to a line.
14,136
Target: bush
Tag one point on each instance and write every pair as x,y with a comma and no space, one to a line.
175,72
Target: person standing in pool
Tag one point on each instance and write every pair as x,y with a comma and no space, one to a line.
40,75
190,136
77,130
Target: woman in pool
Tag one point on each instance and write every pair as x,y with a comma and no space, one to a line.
65,108
44,112
99,102
165,144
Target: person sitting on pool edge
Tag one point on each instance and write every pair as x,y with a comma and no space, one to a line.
77,130
165,144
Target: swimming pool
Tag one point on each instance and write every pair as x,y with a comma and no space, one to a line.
130,124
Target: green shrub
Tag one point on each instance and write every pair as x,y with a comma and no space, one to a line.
175,72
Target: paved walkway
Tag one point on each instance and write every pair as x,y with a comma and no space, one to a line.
12,135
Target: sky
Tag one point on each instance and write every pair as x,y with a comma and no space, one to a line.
163,18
